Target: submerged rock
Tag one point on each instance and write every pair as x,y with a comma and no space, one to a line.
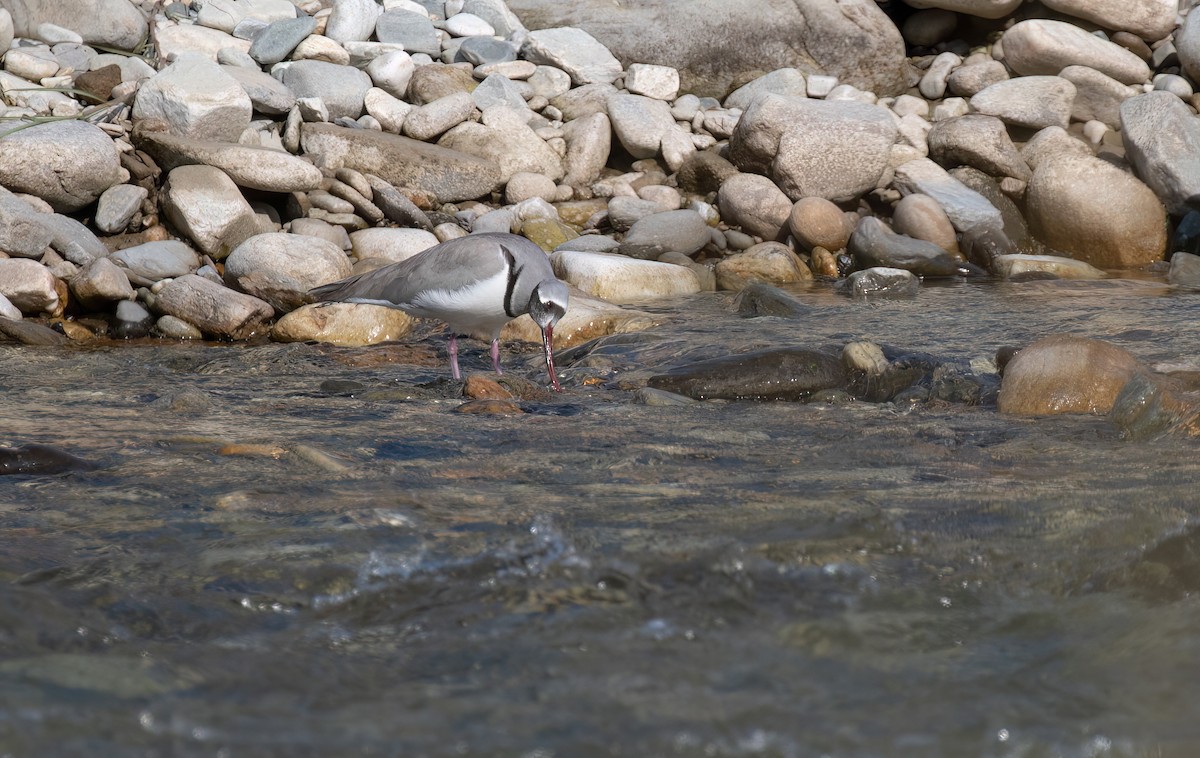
764,300
40,459
787,374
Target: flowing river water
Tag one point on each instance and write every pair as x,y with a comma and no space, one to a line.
302,550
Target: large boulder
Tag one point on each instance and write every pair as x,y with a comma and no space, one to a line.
717,45
108,23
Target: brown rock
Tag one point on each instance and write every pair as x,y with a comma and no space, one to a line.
480,387
817,222
493,406
1064,374
99,82
347,324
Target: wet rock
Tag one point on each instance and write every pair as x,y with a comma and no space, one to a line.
866,357
661,398
754,203
788,374
216,310
344,324
1065,374
252,167
587,318
620,279
30,333
29,286
681,231
196,99
66,163
757,300
1095,212
40,460
874,245
170,327
132,320
1018,265
490,406
976,140
1185,271
99,283
1162,141
150,262
764,263
882,283
1149,408
204,204
479,387
281,268
449,175
817,222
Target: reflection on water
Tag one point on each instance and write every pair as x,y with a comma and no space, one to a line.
291,551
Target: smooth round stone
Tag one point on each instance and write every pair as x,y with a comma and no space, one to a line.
318,47
873,245
393,245
172,327
197,99
346,324
341,89
281,268
1034,102
154,261
66,163
624,211
412,30
817,222
922,217
392,72
754,203
621,279
1065,374
352,20
765,263
680,231
468,25
979,141
33,64
968,79
1042,47
524,185
1019,264
1174,84
481,51
787,374
866,357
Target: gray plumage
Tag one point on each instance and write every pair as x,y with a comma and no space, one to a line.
476,284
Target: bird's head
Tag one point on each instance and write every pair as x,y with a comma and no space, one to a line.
547,305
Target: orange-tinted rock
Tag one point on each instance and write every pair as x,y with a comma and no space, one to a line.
480,387
1064,374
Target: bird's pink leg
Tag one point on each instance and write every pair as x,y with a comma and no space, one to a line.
496,356
454,357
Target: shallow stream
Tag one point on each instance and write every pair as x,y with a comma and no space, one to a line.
302,550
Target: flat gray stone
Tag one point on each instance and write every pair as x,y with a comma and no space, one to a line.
117,207
682,231
1162,141
575,51
267,94
257,168
480,51
352,20
100,283
281,268
966,208
1034,102
640,123
151,262
341,88
414,31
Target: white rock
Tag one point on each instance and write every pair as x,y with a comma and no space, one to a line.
1015,264
352,20
619,279
196,98
389,111
318,47
205,205
469,25
176,40
34,64
1043,47
640,123
981,8
29,286
658,82
345,324
504,137
820,85
933,83
575,51
1034,102
393,245
281,268
392,72
8,310
66,163
1149,19
53,34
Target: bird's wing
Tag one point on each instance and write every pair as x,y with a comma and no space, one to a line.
450,266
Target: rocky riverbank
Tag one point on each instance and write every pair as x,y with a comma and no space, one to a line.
191,170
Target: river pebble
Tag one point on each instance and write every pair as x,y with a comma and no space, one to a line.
1065,374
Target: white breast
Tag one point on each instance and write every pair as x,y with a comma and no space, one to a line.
477,308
